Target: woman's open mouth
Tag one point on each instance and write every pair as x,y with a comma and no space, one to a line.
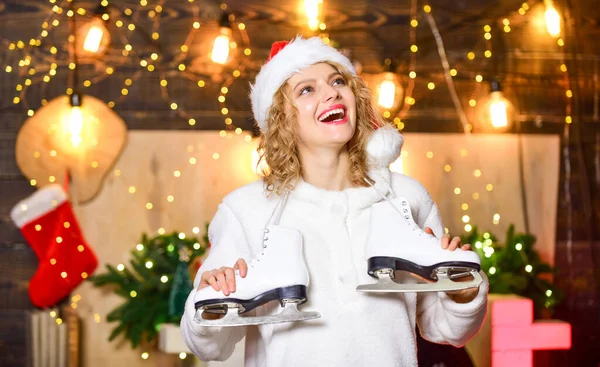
336,114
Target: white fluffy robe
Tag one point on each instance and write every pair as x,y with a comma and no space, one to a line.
355,329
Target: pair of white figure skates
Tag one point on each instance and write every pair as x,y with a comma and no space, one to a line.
395,243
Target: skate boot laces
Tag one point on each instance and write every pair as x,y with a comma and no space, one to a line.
274,221
404,211
407,215
256,259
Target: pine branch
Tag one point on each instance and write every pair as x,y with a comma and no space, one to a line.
515,267
146,292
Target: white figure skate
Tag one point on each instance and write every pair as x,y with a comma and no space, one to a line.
277,273
397,243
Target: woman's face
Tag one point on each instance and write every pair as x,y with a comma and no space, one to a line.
326,106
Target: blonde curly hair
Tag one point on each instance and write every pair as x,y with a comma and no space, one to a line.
278,147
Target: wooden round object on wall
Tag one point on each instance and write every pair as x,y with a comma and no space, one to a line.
61,141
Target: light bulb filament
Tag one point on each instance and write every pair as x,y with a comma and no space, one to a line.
220,51
499,114
311,8
93,39
552,19
387,94
75,126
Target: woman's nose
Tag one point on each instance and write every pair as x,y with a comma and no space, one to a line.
330,93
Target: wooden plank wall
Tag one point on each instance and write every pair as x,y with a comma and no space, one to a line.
578,243
17,261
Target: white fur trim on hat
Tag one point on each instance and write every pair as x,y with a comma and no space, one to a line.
39,203
295,56
384,145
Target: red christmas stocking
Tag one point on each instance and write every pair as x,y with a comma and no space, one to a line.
48,223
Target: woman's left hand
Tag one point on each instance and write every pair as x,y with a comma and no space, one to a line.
465,295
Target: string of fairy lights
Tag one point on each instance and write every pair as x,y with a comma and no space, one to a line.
554,30
412,35
150,63
27,58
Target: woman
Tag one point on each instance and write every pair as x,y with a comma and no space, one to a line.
327,153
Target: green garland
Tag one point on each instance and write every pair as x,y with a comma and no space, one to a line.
515,267
154,285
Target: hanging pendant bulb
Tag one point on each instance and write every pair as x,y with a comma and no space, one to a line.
552,19
77,130
498,111
94,36
220,50
388,90
313,11
96,33
73,126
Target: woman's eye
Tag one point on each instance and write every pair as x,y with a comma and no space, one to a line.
305,90
339,81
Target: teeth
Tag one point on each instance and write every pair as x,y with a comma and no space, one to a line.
329,113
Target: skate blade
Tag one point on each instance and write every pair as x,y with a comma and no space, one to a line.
290,313
387,285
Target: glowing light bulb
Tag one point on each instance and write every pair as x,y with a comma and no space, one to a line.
220,51
311,8
387,88
93,39
387,93
498,111
498,114
75,126
95,35
313,24
552,19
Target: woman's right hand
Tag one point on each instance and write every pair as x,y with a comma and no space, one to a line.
223,279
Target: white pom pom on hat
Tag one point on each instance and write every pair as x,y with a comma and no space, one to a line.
287,58
384,146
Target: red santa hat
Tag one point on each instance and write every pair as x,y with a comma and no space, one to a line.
289,57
